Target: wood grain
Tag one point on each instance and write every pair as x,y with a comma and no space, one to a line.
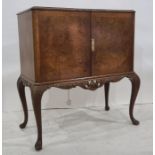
64,46
113,34
26,45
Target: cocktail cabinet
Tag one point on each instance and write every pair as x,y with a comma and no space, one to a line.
65,48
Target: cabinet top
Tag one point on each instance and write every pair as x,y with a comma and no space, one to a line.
71,9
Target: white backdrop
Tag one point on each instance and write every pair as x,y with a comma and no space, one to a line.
119,92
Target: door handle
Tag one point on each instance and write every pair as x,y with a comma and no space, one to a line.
93,45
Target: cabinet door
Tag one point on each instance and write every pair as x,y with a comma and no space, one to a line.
64,45
113,33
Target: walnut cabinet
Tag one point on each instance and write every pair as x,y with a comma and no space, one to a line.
66,48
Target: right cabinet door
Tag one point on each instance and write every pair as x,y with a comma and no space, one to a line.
113,35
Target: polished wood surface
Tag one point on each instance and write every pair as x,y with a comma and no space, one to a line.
113,42
26,43
40,8
64,45
65,48
42,59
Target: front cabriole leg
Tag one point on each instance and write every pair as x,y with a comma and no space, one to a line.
36,94
135,81
21,91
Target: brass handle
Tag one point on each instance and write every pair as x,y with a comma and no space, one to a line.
93,44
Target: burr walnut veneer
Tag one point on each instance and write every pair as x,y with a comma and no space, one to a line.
66,48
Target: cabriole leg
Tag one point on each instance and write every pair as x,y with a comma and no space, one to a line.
106,89
135,81
21,91
36,93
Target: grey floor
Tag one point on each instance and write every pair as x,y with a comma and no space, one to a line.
83,131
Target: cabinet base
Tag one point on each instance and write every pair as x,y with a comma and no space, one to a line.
91,83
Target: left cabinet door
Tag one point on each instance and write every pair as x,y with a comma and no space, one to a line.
63,44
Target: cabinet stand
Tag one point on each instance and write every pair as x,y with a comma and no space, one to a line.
37,90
